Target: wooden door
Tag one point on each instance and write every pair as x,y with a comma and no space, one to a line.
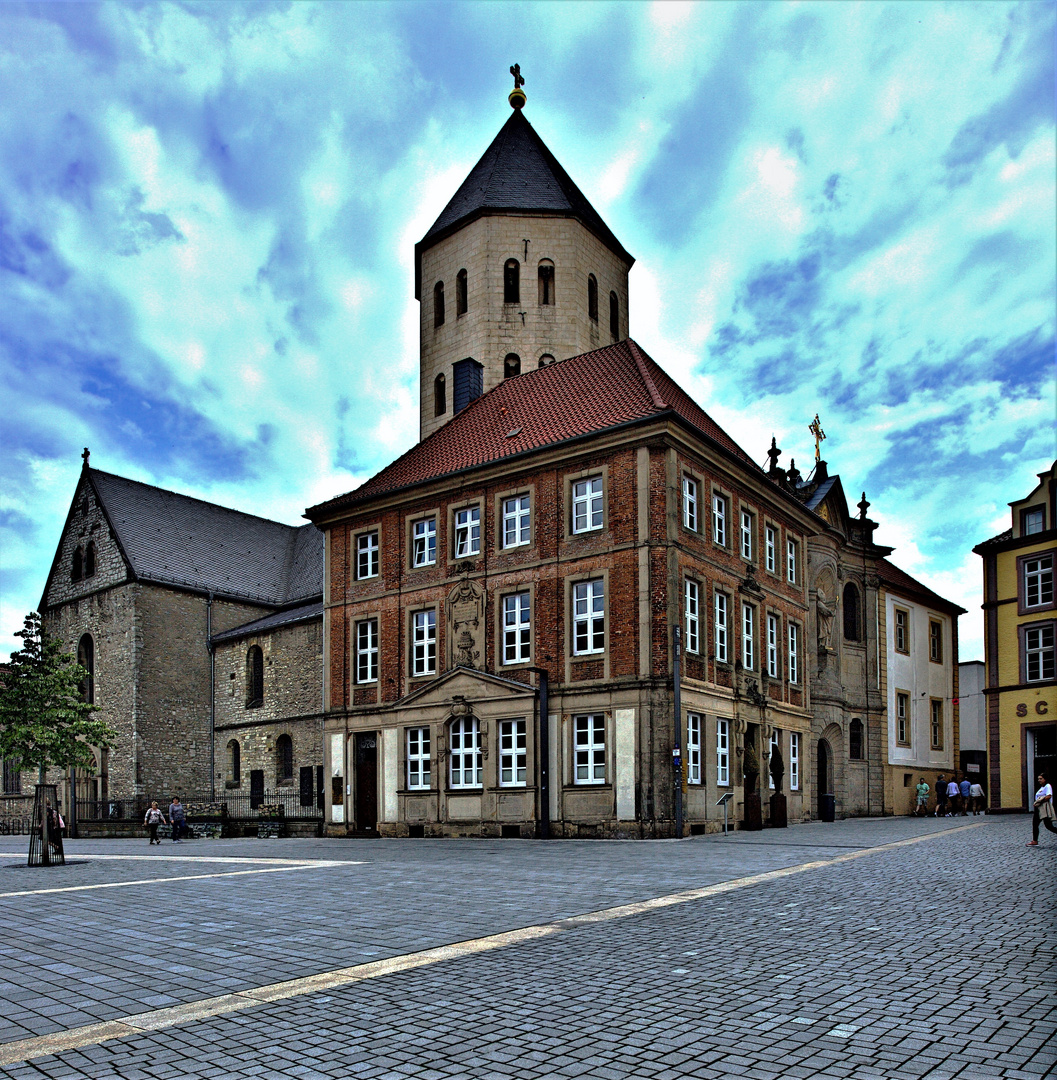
366,781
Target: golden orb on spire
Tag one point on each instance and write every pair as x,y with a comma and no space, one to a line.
517,95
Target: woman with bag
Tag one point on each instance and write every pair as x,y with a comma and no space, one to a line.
1042,811
153,819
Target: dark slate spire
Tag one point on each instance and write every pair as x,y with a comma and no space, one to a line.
516,173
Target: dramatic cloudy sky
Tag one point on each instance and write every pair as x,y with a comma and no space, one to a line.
207,214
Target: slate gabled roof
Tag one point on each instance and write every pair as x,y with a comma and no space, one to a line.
174,539
290,617
589,393
516,173
901,582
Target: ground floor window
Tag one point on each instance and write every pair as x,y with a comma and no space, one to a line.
794,762
418,757
723,752
590,749
466,768
775,745
693,748
512,753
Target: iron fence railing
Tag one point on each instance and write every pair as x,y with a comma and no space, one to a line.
283,804
14,827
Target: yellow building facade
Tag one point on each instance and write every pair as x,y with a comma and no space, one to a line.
1020,647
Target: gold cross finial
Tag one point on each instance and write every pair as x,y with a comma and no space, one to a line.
519,82
815,427
517,95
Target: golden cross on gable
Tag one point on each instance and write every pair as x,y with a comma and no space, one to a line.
519,82
815,427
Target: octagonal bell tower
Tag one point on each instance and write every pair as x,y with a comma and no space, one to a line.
518,271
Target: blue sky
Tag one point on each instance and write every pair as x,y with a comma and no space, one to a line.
207,214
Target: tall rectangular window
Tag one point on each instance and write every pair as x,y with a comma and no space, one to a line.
517,521
693,618
589,617
690,518
587,504
747,531
517,628
791,560
903,719
418,757
590,749
902,631
367,555
13,777
424,643
719,628
693,748
770,549
935,641
467,532
794,761
723,753
466,768
367,651
936,724
794,653
772,646
1038,581
512,753
424,542
719,520
775,744
1038,653
748,637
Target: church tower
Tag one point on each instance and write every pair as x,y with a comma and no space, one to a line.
518,271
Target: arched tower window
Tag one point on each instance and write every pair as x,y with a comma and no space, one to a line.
254,677
440,396
438,304
86,658
852,618
511,365
546,359
77,566
284,758
234,763
512,282
614,317
855,740
89,558
461,295
546,282
592,297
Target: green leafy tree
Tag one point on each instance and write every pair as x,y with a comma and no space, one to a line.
44,720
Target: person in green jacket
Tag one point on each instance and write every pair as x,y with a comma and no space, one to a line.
923,797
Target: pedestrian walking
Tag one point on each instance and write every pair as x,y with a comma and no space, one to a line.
153,819
923,797
178,819
1042,811
965,789
976,793
953,797
941,796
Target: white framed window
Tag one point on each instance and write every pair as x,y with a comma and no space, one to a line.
936,723
587,504
902,627
693,748
418,758
775,743
723,753
903,719
719,627
512,753
1033,522
367,651
693,615
424,642
719,520
746,535
517,521
589,617
1038,580
748,637
794,653
772,646
770,548
517,628
1038,653
690,512
794,761
367,555
791,560
467,532
589,751
466,768
424,542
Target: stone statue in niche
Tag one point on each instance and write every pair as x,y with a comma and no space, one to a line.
465,617
825,610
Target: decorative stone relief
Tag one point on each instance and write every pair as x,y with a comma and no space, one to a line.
465,618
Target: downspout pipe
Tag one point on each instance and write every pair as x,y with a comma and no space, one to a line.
212,700
677,750
544,752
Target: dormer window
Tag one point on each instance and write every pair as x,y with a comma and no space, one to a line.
438,304
461,295
592,297
1033,520
511,365
546,283
512,282
614,317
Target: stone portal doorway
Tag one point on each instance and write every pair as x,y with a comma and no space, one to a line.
824,781
366,780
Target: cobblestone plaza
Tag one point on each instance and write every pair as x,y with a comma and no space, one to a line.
872,948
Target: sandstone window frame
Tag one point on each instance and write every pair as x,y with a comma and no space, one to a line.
466,506
1035,582
747,539
771,534
773,644
721,605
545,283
511,281
904,727
465,754
937,721
856,740
512,746
462,296
794,760
852,612
373,552
590,749
503,595
720,502
411,521
423,648
418,758
792,560
722,752
588,504
366,650
935,640
901,634
501,516
569,480
694,758
592,578
691,489
793,638
692,590
748,635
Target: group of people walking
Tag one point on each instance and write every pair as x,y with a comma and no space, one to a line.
953,797
177,818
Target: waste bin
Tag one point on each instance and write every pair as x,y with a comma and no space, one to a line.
827,807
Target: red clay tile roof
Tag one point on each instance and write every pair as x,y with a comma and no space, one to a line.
589,393
901,582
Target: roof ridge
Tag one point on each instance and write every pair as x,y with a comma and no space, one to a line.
644,372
